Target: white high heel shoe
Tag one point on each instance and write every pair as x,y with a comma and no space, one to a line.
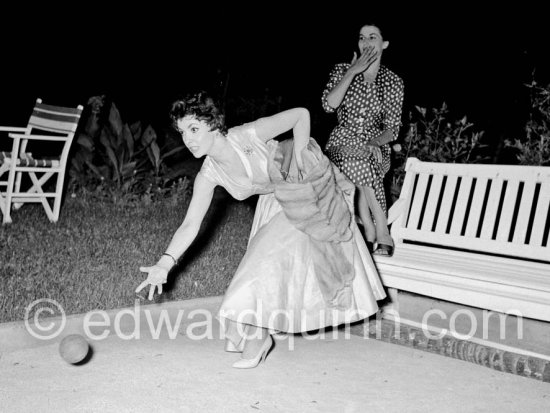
262,353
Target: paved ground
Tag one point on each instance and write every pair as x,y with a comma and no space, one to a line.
187,374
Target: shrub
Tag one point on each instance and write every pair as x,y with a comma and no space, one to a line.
432,136
534,149
117,160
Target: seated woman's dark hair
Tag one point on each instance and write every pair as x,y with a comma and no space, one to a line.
203,107
382,26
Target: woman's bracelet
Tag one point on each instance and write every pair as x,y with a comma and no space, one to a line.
173,259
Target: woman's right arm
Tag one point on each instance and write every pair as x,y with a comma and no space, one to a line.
336,94
203,191
337,90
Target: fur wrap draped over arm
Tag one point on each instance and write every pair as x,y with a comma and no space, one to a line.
318,200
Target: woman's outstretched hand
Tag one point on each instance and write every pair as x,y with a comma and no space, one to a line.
156,276
363,62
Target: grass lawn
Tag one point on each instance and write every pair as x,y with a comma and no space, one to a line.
90,258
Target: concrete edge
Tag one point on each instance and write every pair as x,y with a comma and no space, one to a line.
394,332
15,335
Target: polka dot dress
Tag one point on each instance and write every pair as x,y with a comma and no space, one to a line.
366,111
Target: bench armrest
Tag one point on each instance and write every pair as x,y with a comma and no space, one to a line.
396,210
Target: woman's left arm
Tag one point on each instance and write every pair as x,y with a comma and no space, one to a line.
392,118
391,123
296,119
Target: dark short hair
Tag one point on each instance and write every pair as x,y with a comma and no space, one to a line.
383,27
202,106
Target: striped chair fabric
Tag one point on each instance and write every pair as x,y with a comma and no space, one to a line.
26,159
54,118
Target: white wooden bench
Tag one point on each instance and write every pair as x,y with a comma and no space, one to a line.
473,234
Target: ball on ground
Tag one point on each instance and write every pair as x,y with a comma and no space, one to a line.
74,348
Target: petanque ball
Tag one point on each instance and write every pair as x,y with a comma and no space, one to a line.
74,348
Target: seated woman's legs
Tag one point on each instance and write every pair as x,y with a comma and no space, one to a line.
369,208
366,215
381,223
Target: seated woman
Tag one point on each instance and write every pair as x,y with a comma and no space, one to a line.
368,99
298,273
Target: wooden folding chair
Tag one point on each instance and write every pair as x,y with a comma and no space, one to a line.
47,124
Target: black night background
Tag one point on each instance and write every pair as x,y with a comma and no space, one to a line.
475,61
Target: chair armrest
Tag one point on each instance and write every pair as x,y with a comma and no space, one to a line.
38,137
12,129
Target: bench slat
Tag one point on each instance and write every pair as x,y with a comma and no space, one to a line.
541,215
431,204
472,265
419,269
505,221
477,293
477,205
461,203
443,218
418,201
491,209
477,244
524,212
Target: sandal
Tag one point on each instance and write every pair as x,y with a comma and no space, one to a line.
384,250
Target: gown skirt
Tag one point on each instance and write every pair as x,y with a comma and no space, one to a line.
276,287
